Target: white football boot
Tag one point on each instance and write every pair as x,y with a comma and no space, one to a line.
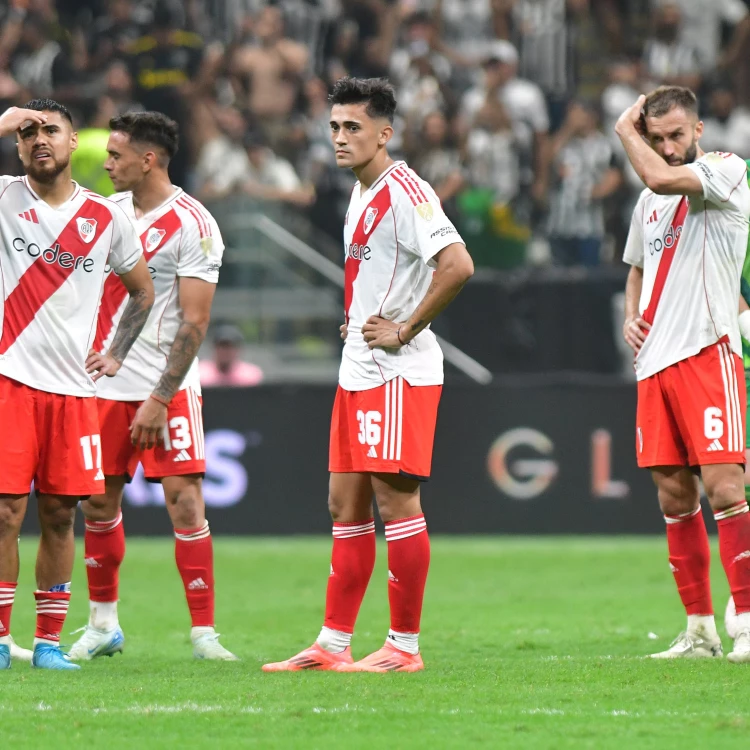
691,645
741,652
18,653
206,645
95,642
731,624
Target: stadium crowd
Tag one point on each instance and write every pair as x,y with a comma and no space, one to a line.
506,106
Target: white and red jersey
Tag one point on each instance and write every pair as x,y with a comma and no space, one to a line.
52,267
391,235
691,250
179,238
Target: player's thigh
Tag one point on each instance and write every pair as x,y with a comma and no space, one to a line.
106,506
19,446
12,512
70,462
350,497
119,455
658,439
677,488
182,452
396,496
708,388
184,499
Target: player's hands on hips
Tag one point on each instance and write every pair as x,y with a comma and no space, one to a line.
631,117
98,365
12,119
635,331
148,425
380,333
344,332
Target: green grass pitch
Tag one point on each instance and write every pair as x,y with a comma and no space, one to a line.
529,643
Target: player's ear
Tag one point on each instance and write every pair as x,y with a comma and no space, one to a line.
385,135
698,129
74,140
150,160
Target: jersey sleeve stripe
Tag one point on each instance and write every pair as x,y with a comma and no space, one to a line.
397,178
411,176
187,207
200,212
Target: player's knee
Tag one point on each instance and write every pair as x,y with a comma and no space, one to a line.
100,508
725,493
336,507
675,499
186,507
11,517
57,519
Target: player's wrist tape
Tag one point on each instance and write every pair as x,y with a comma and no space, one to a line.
745,325
159,400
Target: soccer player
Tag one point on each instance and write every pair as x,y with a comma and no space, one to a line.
686,248
57,242
405,262
152,413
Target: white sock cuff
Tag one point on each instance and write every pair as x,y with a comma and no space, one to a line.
682,516
349,530
187,535
101,527
735,510
405,527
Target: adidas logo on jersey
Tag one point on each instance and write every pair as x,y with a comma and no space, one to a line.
372,453
715,446
183,455
198,583
90,562
30,215
99,475
652,218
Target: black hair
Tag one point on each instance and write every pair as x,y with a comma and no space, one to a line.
153,128
49,105
377,93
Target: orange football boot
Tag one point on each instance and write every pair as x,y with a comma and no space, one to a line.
316,658
387,659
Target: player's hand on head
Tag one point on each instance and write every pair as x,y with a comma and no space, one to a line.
147,429
631,117
98,365
15,117
634,332
380,333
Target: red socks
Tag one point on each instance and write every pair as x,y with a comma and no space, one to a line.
408,562
352,563
51,609
104,551
7,595
734,547
194,555
689,559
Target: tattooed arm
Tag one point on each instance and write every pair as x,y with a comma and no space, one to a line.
454,269
141,290
195,299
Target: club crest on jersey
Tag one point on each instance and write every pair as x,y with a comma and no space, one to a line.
425,211
87,229
154,238
370,215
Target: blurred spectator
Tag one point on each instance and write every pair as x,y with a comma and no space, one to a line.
524,105
727,126
623,89
112,33
584,175
667,59
117,97
227,368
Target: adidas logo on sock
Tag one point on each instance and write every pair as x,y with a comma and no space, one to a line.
90,562
198,583
183,455
372,453
391,577
742,556
2,627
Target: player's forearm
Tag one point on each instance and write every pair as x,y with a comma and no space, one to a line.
447,282
133,319
633,292
187,342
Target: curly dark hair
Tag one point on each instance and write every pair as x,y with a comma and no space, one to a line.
377,93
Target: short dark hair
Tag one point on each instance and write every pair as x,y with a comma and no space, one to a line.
665,98
377,93
49,105
153,128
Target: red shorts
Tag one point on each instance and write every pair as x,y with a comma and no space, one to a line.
389,429
693,412
50,439
183,450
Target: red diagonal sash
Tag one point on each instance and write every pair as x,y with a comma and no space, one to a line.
42,279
